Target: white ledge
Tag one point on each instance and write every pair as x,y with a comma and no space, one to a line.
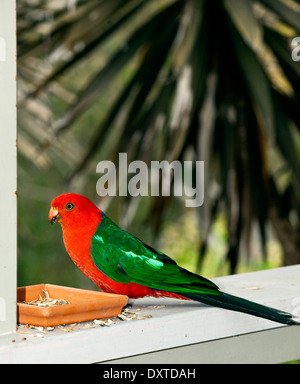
179,332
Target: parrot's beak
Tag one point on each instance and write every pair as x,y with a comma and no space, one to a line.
54,216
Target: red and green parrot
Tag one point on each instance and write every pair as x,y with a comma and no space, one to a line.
119,262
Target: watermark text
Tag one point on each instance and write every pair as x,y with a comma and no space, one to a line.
138,179
296,50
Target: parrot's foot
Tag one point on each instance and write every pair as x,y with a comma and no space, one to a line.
129,304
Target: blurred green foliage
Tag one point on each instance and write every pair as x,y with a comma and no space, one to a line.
168,79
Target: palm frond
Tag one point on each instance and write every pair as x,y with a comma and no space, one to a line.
173,79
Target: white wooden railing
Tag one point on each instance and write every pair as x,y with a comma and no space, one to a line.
177,332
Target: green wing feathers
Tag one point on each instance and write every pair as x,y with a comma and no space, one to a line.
124,258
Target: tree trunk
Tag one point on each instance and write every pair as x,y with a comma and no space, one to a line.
287,235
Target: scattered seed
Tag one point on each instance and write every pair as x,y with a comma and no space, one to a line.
67,328
253,288
46,294
89,325
46,301
126,315
99,322
38,335
106,322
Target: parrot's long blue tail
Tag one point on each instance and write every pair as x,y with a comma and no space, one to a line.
234,303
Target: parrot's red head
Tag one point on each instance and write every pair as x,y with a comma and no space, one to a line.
72,210
79,219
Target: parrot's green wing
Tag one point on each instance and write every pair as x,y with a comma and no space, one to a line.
124,258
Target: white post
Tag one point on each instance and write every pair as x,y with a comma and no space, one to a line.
8,166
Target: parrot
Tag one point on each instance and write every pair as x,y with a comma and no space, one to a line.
118,262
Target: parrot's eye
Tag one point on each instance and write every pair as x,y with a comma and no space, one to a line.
69,206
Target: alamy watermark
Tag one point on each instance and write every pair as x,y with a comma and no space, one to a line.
152,180
296,50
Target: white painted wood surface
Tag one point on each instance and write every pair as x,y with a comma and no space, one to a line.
8,166
179,332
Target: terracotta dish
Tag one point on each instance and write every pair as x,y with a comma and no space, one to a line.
84,305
